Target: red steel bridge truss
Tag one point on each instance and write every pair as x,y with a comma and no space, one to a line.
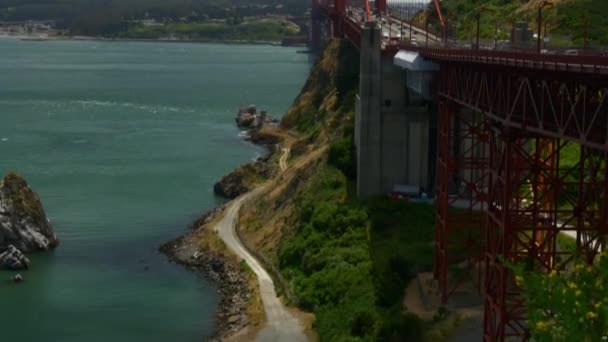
522,157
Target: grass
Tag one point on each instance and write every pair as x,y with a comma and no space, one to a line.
566,243
255,307
208,239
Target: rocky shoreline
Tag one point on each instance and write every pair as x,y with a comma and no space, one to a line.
247,176
232,281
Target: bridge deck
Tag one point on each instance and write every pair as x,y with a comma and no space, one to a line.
520,59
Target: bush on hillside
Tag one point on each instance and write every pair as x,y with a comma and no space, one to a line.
399,327
342,156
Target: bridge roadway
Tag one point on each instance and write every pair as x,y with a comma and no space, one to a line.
394,29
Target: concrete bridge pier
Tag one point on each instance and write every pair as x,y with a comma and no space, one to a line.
392,128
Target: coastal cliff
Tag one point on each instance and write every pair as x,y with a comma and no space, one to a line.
347,261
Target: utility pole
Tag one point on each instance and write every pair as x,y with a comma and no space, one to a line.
540,19
585,42
410,23
495,35
477,41
402,19
513,40
447,27
545,35
481,9
427,32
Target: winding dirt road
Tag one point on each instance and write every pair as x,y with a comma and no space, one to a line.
283,160
281,324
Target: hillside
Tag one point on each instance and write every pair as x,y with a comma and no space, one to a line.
347,261
109,17
564,21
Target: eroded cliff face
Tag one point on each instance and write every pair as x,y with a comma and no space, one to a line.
245,178
23,222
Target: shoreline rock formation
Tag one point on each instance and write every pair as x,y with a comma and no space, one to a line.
13,259
248,117
244,178
24,226
231,280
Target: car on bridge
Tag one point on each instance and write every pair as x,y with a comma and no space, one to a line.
571,52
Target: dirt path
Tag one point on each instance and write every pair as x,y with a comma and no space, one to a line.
281,324
283,160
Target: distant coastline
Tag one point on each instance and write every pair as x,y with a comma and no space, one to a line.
145,40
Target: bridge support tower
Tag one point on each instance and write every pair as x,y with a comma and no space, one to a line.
392,129
315,26
381,6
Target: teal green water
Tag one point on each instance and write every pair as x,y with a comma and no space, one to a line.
123,142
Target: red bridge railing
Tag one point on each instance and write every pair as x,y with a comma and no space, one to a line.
523,59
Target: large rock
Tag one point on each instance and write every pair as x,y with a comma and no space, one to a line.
245,120
246,116
261,137
13,259
23,222
232,185
243,179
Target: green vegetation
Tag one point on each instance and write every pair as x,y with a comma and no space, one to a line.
564,18
568,306
268,29
328,259
244,266
567,20
354,259
401,243
342,156
566,243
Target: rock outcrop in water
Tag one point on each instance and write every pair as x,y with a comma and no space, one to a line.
23,222
13,259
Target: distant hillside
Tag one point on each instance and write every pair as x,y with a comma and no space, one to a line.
564,21
106,17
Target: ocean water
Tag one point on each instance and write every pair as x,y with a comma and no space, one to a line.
123,142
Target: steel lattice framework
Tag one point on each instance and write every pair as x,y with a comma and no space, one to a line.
530,196
506,183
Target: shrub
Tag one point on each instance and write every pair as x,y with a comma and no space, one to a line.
364,324
568,306
399,327
245,266
342,156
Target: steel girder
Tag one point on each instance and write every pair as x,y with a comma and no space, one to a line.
460,191
529,192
